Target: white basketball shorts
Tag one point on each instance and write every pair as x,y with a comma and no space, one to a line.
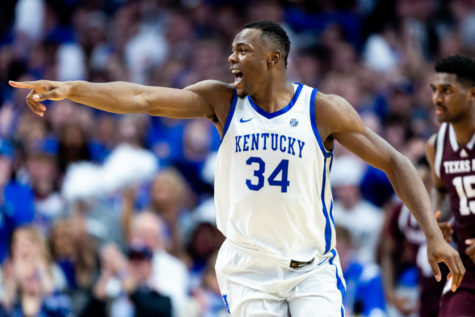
253,284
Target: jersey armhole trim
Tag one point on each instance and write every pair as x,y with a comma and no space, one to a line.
439,145
230,114
313,121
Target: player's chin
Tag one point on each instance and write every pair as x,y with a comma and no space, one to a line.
442,118
241,92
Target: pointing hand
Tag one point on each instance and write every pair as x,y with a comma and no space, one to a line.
42,90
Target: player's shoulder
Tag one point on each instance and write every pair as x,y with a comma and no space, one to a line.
333,105
330,100
216,93
336,113
212,87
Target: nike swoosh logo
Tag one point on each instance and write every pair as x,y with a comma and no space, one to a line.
242,120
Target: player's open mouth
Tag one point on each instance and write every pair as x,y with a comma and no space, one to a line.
237,77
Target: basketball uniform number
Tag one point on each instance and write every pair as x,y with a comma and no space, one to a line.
465,187
274,178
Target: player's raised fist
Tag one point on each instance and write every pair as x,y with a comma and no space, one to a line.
42,90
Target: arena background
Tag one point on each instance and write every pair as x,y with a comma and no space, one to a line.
79,187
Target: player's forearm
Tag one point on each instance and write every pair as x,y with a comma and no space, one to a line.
410,189
117,97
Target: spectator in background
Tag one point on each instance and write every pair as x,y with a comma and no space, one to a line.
29,279
170,197
75,252
30,132
393,42
43,176
16,201
104,137
165,137
208,295
364,286
403,253
133,295
147,301
199,139
132,129
204,241
362,219
73,145
169,275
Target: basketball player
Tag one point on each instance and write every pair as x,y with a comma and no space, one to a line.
272,189
451,154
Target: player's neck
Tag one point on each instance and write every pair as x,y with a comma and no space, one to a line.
274,96
465,128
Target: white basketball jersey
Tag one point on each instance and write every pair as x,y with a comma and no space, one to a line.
272,189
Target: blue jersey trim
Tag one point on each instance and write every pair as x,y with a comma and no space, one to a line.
281,111
225,299
331,214
230,114
328,227
313,121
339,282
331,206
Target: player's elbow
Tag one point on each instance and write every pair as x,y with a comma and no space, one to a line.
142,102
397,164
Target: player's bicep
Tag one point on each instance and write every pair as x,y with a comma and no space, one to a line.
345,125
369,146
176,103
198,100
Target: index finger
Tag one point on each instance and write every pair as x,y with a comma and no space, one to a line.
23,84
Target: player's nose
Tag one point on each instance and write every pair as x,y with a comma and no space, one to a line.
436,97
232,58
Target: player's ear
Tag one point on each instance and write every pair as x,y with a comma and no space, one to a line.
472,93
273,58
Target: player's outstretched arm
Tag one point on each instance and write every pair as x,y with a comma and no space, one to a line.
339,121
123,97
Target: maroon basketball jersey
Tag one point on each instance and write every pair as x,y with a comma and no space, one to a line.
455,165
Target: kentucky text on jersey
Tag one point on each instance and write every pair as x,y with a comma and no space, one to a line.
462,166
269,141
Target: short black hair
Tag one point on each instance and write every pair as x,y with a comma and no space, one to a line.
275,33
462,66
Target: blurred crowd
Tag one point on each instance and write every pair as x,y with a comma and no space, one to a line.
110,215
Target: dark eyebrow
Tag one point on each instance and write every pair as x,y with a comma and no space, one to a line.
239,44
446,85
443,85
